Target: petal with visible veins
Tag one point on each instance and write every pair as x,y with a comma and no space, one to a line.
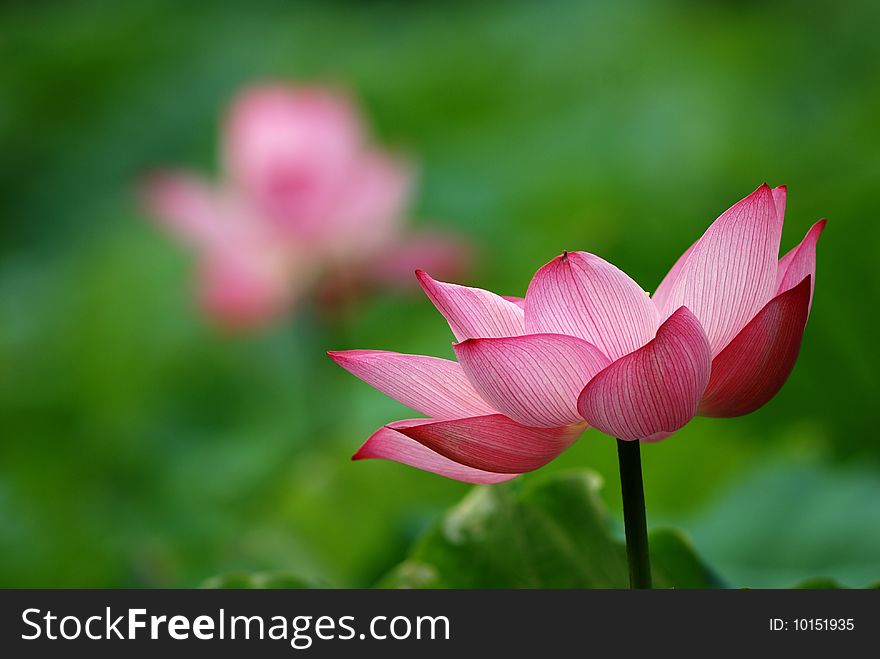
473,313
430,385
389,444
654,389
494,443
755,365
582,295
730,272
663,290
534,379
800,262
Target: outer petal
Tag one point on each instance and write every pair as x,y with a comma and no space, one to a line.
730,272
800,262
665,287
654,389
755,365
389,444
473,313
494,443
430,385
582,295
533,379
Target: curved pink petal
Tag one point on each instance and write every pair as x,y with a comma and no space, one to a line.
755,365
654,389
800,262
473,313
534,379
730,272
581,295
494,443
389,444
663,290
430,385
518,301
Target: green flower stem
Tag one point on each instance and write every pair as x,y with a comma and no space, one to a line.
634,521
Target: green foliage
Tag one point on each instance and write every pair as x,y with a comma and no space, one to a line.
552,533
785,521
139,448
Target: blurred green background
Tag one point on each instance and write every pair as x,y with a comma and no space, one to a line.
141,448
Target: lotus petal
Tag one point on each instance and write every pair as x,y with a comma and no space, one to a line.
389,444
755,365
654,389
800,262
430,385
494,443
473,313
730,273
581,295
533,379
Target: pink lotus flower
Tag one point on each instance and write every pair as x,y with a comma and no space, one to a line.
306,202
587,346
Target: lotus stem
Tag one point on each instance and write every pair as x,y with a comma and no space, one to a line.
634,519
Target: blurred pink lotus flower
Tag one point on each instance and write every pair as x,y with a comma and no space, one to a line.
588,347
306,204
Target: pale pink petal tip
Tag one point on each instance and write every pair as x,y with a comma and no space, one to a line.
473,313
755,365
654,389
387,443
